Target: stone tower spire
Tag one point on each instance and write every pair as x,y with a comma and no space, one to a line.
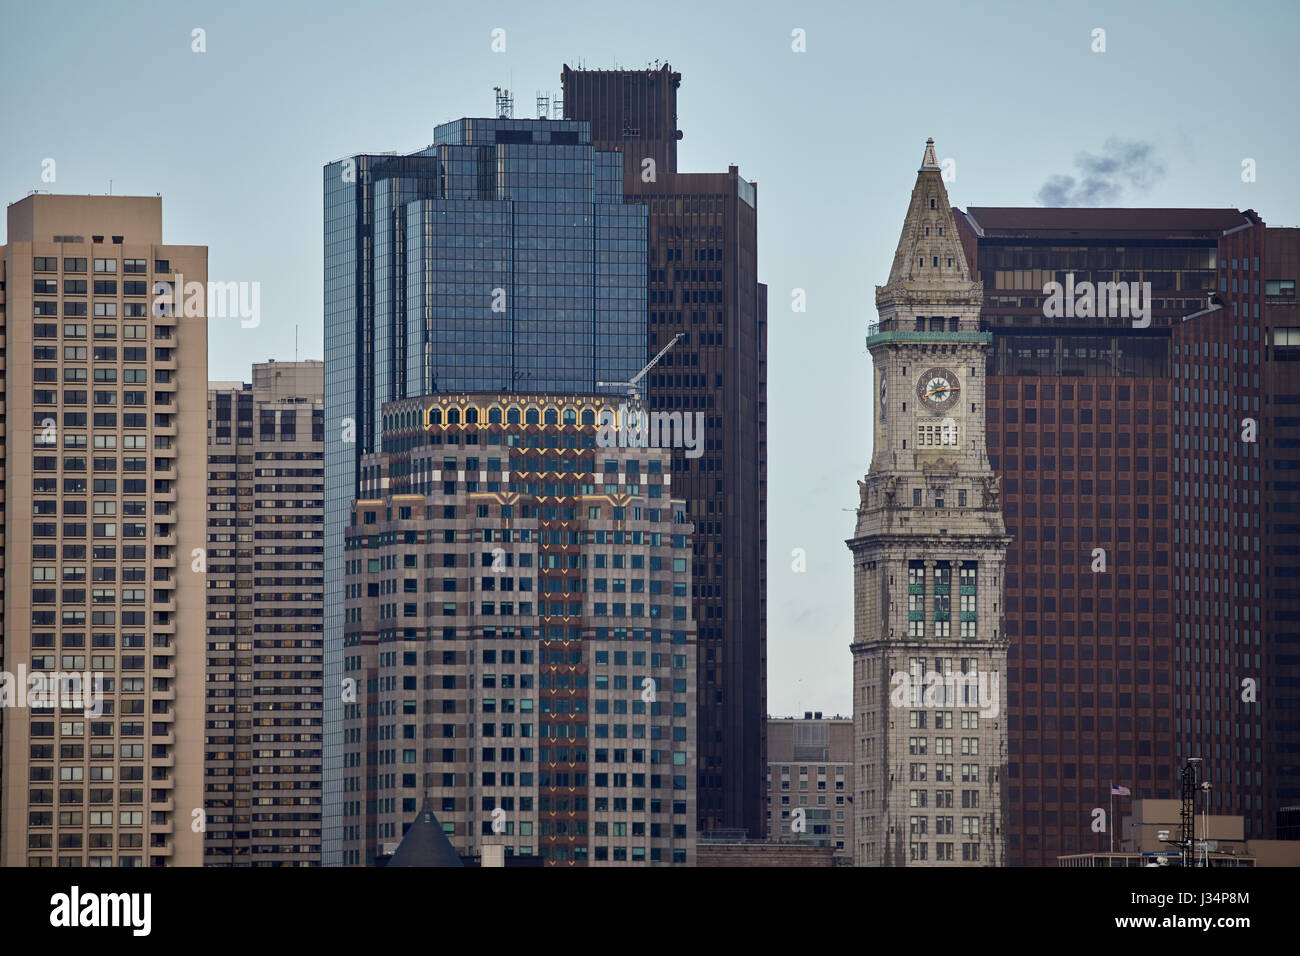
929,253
929,551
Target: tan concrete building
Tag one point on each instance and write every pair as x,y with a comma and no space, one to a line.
519,646
810,782
929,651
265,575
104,408
1145,832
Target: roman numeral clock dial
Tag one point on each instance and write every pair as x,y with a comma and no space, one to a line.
938,389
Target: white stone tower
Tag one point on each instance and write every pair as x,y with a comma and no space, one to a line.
929,655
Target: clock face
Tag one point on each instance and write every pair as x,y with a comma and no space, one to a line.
938,389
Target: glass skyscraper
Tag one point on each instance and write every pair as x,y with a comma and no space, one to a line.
500,258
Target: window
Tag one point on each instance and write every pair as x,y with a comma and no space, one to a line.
935,434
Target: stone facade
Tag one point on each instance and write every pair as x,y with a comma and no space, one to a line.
929,651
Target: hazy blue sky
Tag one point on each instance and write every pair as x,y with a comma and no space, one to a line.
234,140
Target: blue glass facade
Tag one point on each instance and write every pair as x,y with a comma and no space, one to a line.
501,258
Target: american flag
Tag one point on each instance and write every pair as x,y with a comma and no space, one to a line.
1119,791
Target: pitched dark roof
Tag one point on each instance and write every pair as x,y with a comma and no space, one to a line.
425,844
1069,221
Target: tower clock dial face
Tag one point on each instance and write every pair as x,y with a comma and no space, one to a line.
938,389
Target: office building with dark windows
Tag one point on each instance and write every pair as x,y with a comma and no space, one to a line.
265,576
703,284
1279,424
104,397
501,257
518,641
1128,419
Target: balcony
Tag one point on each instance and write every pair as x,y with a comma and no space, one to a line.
882,336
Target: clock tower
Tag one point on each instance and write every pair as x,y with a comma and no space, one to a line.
929,653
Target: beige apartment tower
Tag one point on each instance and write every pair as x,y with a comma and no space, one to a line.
104,385
265,567
929,651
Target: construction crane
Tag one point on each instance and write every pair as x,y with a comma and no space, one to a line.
633,387
634,413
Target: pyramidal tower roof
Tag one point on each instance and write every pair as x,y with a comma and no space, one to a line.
929,257
425,844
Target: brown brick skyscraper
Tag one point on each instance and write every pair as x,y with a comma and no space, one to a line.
703,283
1131,487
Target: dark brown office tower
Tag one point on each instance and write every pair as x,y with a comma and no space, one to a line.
631,110
703,283
1118,421
1280,514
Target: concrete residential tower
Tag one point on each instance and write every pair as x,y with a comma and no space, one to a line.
929,655
104,400
265,572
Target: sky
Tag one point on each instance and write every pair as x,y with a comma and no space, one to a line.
1017,95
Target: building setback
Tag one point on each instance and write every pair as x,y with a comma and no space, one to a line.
810,768
105,415
703,283
1131,485
929,649
518,641
265,574
503,258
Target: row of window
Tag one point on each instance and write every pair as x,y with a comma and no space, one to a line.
77,264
